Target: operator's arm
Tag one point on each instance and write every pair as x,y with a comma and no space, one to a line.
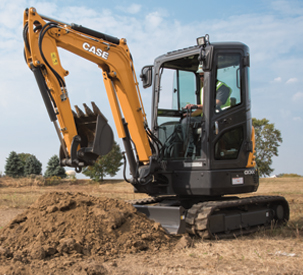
197,112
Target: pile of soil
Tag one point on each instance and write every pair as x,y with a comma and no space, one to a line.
62,229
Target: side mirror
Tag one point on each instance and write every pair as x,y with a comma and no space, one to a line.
147,76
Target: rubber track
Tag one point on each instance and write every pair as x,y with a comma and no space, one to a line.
198,215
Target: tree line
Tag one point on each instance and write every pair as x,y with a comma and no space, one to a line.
268,139
23,165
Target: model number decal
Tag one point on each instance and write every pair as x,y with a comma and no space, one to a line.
249,172
94,50
193,164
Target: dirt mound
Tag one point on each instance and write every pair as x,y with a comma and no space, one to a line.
75,226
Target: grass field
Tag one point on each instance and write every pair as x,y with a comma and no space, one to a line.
20,193
273,251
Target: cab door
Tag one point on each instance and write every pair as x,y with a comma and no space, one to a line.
230,119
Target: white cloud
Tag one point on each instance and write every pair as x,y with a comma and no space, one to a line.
297,119
78,12
49,7
10,11
297,97
153,20
286,113
292,80
132,9
278,79
287,7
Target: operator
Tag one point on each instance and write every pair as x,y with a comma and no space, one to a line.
222,100
222,97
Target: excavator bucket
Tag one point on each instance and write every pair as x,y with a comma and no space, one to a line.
96,136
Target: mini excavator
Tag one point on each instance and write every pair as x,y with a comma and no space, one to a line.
192,171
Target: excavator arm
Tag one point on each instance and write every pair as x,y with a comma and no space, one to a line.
86,136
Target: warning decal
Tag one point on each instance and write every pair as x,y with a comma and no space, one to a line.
54,58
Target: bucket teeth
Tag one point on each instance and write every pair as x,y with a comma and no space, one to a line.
96,109
80,113
74,114
88,111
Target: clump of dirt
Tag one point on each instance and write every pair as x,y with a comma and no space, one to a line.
75,225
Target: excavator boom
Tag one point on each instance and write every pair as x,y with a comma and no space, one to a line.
84,136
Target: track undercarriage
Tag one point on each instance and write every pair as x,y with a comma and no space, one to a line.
228,217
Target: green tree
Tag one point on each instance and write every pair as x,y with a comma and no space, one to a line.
14,166
32,166
23,157
54,169
268,139
105,165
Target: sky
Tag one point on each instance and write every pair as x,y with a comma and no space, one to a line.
273,30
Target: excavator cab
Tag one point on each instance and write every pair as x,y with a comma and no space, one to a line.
180,85
212,153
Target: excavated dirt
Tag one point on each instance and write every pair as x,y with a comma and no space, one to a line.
53,237
61,231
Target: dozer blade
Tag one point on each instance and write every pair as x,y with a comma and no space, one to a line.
96,136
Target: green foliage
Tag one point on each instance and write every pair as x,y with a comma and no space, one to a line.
14,166
23,164
105,165
32,166
53,180
268,140
54,169
23,157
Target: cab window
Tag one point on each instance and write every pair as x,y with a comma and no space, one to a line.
177,89
228,82
229,144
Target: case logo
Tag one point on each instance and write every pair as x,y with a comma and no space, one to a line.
94,50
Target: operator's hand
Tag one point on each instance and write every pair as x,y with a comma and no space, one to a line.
190,106
188,109
198,111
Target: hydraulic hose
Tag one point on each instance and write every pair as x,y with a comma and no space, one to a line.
44,29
